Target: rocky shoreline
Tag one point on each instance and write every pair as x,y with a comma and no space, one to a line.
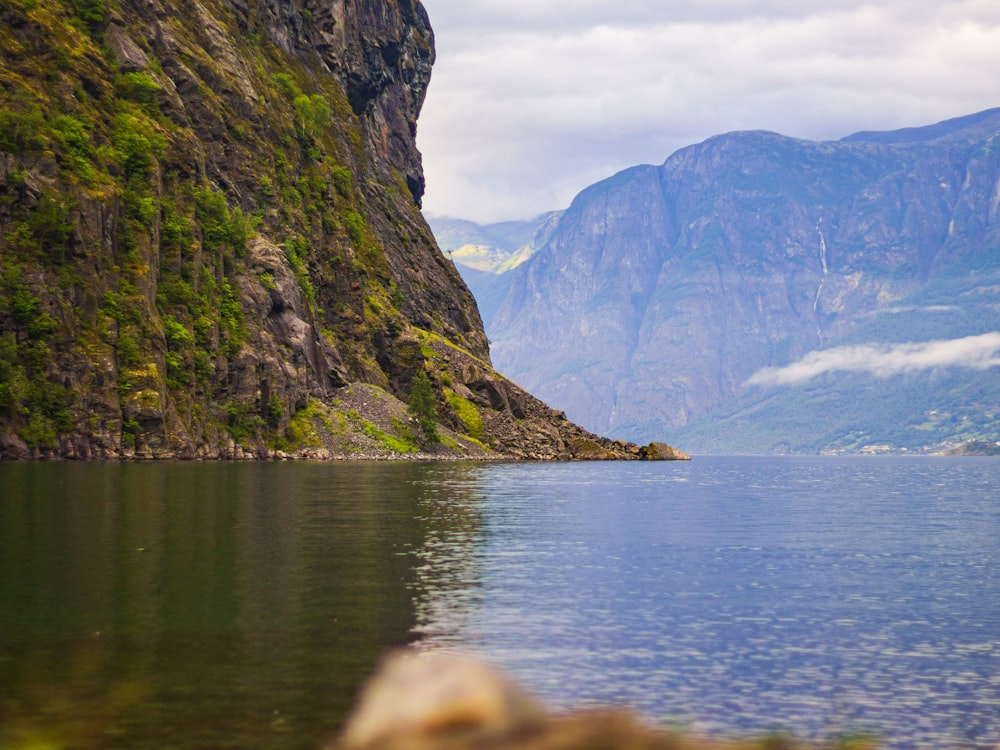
365,423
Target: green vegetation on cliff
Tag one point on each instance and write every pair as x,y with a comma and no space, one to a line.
210,229
149,168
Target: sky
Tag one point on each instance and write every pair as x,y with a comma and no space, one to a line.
531,101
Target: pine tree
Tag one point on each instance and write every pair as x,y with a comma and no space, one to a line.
422,406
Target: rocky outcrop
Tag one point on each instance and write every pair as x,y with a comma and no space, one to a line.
515,424
441,701
381,53
975,448
210,239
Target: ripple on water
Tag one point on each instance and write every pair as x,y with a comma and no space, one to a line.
818,596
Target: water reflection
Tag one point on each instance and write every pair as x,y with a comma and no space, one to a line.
207,605
816,596
215,605
447,591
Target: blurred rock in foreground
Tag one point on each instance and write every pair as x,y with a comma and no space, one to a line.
433,701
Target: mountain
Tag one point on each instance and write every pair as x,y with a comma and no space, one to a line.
494,248
668,299
211,243
484,253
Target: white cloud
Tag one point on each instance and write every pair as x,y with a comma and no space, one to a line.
913,308
532,100
881,360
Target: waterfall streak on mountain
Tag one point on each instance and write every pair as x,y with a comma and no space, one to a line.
822,281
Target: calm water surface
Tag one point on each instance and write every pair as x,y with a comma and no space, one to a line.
224,605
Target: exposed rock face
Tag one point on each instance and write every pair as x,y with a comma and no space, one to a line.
663,289
382,54
210,237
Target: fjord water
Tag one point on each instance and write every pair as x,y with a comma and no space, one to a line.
231,605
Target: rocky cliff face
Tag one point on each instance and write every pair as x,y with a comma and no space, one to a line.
662,290
211,244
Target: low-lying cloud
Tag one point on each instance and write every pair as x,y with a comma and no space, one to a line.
886,360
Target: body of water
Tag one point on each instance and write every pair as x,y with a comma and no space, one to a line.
241,605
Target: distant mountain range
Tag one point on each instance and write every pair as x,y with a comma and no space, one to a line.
762,294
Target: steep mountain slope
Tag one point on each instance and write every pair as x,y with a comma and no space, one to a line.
211,244
663,290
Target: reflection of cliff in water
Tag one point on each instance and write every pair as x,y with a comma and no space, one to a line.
448,569
208,604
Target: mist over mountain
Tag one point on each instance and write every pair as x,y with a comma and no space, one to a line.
759,293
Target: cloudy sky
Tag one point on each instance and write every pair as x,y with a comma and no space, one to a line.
532,100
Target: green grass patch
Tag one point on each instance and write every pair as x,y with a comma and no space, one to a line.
467,413
395,443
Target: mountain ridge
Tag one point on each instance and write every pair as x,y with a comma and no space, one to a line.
927,132
664,289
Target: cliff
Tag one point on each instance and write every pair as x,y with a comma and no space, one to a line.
211,243
663,290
